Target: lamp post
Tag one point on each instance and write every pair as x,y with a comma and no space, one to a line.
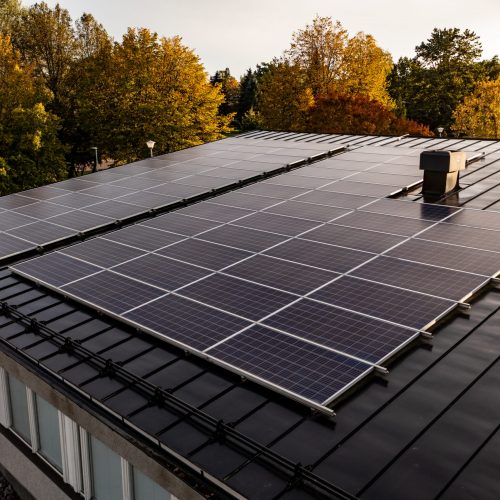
94,148
440,131
150,145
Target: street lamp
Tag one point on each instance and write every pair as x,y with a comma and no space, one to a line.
440,131
150,145
94,148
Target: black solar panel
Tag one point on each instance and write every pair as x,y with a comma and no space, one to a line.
42,209
301,368
477,218
334,199
393,304
288,226
81,221
241,237
57,269
449,256
320,255
465,236
366,338
385,223
204,253
15,200
361,188
310,211
181,224
453,285
369,241
236,296
424,211
41,232
183,320
102,252
112,292
10,245
252,202
144,238
160,271
288,276
219,213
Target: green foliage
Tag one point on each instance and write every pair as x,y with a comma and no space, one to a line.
445,69
230,89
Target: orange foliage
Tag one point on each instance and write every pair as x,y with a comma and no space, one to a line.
337,113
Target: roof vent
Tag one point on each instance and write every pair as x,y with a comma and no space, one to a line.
441,172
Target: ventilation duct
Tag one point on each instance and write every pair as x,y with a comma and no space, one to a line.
441,172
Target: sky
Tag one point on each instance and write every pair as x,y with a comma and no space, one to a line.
239,34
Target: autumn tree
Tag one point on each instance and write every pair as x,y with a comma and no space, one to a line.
479,114
10,15
154,88
284,97
338,113
30,152
46,40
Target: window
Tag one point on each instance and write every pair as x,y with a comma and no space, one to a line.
48,432
147,489
106,472
19,408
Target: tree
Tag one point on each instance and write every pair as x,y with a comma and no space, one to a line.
10,15
46,40
284,97
230,90
365,69
445,69
319,50
30,152
479,114
358,114
154,88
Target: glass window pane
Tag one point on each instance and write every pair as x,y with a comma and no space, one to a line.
48,430
106,471
147,489
19,408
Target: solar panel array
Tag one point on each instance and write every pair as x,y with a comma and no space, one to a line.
305,282
48,214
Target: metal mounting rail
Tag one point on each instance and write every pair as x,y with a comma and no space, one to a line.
298,474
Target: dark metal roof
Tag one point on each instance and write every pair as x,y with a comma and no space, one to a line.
429,429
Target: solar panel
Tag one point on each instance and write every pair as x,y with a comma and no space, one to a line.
10,245
205,254
102,252
334,199
182,224
144,238
195,325
366,338
453,285
112,292
285,275
393,304
14,201
81,221
288,226
250,201
236,296
466,236
301,368
242,237
449,256
310,211
320,255
385,223
42,209
361,188
160,271
41,232
477,218
56,269
424,211
219,213
369,241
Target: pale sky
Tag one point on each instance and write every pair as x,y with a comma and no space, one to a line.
242,33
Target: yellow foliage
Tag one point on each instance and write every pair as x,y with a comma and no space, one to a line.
479,114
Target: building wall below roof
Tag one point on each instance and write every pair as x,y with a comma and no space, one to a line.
29,481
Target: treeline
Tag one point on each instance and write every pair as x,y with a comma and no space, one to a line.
67,86
329,82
